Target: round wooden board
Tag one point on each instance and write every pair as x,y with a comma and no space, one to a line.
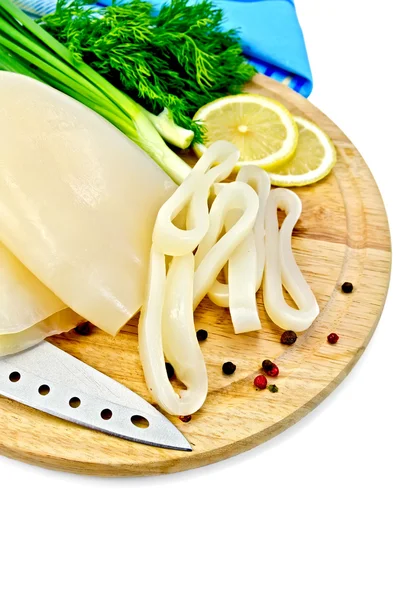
342,236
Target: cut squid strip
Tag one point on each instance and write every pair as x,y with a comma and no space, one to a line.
212,255
168,309
281,268
168,306
192,195
259,180
242,275
149,331
179,335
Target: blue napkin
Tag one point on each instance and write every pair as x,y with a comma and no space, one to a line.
271,36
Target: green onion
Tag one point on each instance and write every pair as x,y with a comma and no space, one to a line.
27,49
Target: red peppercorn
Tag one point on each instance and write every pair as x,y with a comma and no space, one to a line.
260,382
333,338
185,418
273,371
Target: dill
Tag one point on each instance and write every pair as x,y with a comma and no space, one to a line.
178,59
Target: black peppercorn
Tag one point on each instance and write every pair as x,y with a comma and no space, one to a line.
202,335
170,370
288,338
347,287
228,368
84,328
267,365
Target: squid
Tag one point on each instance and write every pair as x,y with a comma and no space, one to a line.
166,325
78,201
29,311
281,269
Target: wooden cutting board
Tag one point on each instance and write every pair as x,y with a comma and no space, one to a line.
342,236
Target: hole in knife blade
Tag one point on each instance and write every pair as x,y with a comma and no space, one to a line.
139,421
106,414
74,402
44,389
14,376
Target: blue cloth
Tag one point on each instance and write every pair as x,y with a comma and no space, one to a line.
271,36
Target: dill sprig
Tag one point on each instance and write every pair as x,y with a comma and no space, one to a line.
178,59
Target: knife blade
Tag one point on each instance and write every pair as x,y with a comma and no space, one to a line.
52,381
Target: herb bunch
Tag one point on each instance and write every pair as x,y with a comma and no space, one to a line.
178,59
27,49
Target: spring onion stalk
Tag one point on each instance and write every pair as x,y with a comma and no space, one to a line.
28,49
169,130
281,269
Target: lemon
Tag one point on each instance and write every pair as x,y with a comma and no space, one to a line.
314,158
262,129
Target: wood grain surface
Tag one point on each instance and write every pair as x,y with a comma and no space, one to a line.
342,236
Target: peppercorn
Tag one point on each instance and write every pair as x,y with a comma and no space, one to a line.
267,365
185,418
228,368
84,328
260,382
270,368
333,338
347,287
273,388
288,338
273,371
170,370
202,335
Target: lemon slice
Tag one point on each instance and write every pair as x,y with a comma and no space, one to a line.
261,128
314,158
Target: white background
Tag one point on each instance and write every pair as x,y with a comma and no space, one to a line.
311,514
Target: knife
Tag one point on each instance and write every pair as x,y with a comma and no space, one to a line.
48,379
